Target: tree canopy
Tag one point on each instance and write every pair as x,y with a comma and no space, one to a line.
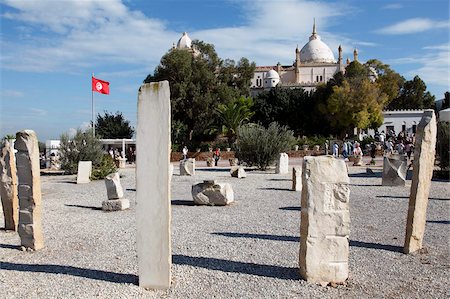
413,95
113,126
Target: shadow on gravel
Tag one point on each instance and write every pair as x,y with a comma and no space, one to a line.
74,271
67,182
365,175
398,197
130,189
367,185
84,207
260,236
290,208
180,202
287,273
213,169
9,246
280,180
376,246
439,221
275,189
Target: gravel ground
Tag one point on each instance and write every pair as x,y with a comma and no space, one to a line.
246,250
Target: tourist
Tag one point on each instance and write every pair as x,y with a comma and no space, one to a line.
358,154
216,156
400,148
185,152
408,149
373,150
335,150
345,150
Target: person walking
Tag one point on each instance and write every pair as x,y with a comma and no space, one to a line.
216,156
185,152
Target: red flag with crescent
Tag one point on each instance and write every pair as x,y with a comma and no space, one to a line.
100,86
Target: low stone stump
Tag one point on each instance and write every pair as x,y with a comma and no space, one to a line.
316,150
325,221
394,171
282,164
233,161
187,167
212,193
114,190
296,179
84,172
121,162
209,162
357,160
238,172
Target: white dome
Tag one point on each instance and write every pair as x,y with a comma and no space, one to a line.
184,42
272,75
316,51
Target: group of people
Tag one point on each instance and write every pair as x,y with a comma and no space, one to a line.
216,154
402,143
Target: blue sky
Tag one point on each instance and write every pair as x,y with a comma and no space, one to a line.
50,48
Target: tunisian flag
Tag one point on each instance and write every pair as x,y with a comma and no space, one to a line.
100,86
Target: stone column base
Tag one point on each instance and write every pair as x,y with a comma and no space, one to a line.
115,204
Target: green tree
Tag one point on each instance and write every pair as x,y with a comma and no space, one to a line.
200,82
232,115
413,95
113,126
443,144
389,81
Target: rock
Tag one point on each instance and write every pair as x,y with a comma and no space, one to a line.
187,167
394,171
325,220
84,172
233,161
238,172
209,162
212,193
357,160
424,151
115,204
369,171
8,186
282,164
153,210
114,189
296,179
316,150
29,189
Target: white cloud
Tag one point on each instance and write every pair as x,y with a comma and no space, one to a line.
414,25
12,94
393,6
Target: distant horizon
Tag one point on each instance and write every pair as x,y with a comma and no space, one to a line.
50,49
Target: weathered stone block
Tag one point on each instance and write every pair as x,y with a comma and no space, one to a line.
114,189
394,171
297,179
115,204
212,193
187,167
8,186
29,190
282,166
233,161
325,220
209,162
153,186
424,151
238,172
84,172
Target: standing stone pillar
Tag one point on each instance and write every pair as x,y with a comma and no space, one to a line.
296,179
325,220
153,185
28,172
282,164
424,151
8,186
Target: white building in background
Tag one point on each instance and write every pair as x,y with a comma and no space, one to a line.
314,64
401,120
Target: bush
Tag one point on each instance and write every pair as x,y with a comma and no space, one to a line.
443,141
312,141
105,167
258,146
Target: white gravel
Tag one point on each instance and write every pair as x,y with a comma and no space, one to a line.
246,250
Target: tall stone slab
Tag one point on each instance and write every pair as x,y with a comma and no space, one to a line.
8,186
84,172
394,171
325,220
28,173
296,179
282,164
187,167
153,185
424,151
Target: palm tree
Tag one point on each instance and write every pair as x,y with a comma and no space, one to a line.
232,115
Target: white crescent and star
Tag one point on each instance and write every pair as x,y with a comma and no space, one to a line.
98,86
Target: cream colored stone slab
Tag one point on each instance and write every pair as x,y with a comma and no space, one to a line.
238,172
114,188
187,167
153,186
29,189
282,166
84,172
394,171
424,151
296,179
212,193
325,220
8,186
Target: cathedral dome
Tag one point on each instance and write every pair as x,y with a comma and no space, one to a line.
316,51
184,42
272,74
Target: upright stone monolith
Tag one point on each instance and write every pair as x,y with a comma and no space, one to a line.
8,186
394,171
325,220
296,179
28,173
153,185
423,165
282,166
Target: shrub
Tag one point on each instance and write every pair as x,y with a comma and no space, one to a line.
105,167
312,141
258,146
443,141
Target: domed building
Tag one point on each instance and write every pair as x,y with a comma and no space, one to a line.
314,64
185,43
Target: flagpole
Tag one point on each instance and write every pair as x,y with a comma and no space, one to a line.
93,109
